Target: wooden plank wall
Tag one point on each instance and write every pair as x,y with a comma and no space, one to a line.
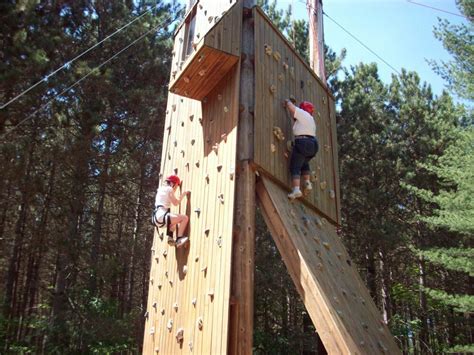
218,25
335,296
190,288
278,68
199,142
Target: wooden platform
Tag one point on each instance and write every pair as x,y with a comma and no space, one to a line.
337,300
203,72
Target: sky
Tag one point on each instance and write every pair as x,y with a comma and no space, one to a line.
397,30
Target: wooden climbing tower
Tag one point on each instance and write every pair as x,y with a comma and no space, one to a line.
226,135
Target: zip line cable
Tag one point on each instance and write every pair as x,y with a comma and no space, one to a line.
362,43
84,77
73,60
437,9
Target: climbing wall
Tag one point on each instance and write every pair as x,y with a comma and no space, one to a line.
189,288
279,74
337,300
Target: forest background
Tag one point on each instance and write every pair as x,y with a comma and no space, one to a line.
80,164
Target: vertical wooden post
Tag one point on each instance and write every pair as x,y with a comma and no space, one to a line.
316,37
242,292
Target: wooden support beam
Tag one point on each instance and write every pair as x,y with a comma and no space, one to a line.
241,310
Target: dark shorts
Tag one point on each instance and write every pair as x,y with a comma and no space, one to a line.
303,151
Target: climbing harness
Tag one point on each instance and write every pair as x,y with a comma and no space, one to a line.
165,220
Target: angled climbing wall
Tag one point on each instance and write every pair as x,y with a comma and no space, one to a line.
188,298
279,74
336,298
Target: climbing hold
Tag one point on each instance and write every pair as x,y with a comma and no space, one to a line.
285,66
344,292
159,286
199,323
157,350
169,156
161,235
336,299
152,330
175,306
162,311
320,266
268,49
166,274
326,147
272,148
327,245
219,97
211,294
309,82
318,222
197,164
146,315
323,185
231,175
332,194
324,99
196,259
202,72
210,18
173,107
292,213
193,141
278,133
362,343
221,198
175,171
313,177
276,56
224,137
226,109
365,326
219,241
151,280
182,153
204,269
165,253
186,79
185,269
170,324
281,77
219,167
285,154
154,305
200,120
306,221
171,283
339,255
324,221
207,178
194,301
198,211
272,89
215,147
206,232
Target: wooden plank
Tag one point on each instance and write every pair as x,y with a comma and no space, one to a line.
342,311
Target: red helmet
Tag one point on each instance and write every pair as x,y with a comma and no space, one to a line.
174,179
307,106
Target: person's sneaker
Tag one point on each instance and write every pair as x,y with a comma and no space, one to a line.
171,241
307,185
295,194
181,241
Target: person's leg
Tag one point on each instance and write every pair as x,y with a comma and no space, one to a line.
306,172
181,221
296,161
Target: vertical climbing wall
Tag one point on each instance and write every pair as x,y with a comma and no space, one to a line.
336,298
279,74
189,290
